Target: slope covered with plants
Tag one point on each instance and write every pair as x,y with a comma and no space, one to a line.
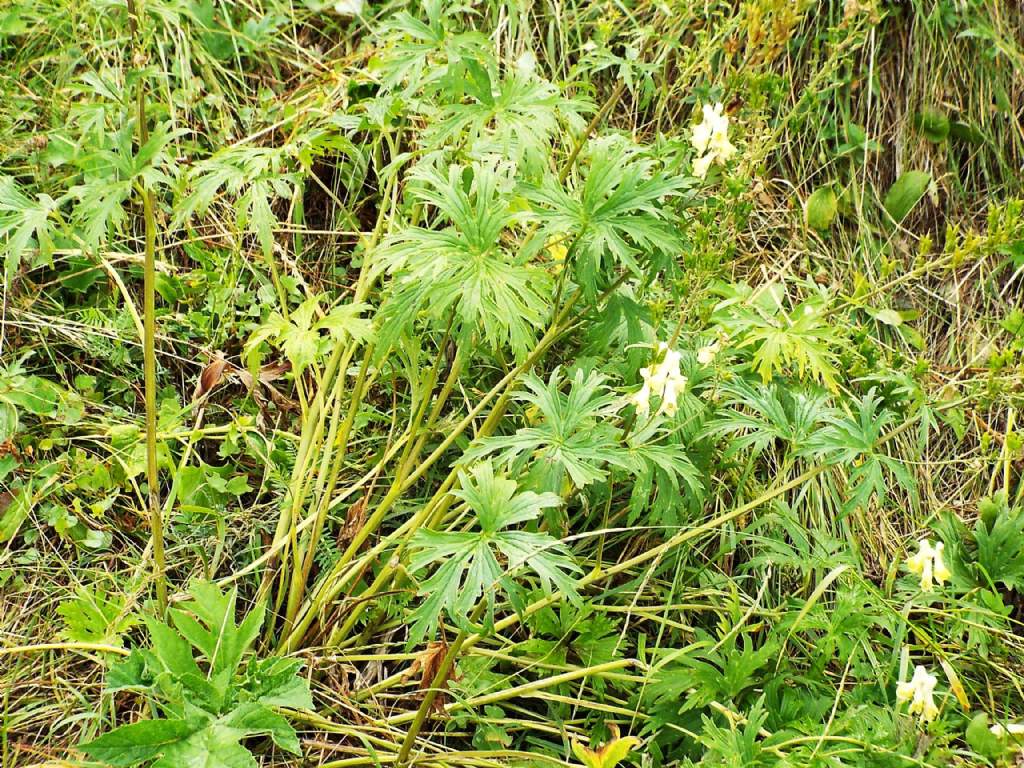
511,383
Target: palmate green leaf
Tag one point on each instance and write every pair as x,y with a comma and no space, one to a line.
516,117
990,553
110,175
780,340
574,438
755,417
100,207
207,622
707,673
980,738
669,472
94,616
24,224
251,177
415,55
345,321
300,336
853,441
470,567
1000,548
616,212
739,746
463,267
442,589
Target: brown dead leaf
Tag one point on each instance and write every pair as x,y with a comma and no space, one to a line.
354,519
210,377
268,373
271,372
427,665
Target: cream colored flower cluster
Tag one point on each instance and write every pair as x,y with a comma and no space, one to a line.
663,380
928,564
920,692
710,138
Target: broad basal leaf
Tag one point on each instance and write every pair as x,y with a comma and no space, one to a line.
138,742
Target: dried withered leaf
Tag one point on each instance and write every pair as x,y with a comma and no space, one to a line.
427,665
268,373
273,371
210,377
354,519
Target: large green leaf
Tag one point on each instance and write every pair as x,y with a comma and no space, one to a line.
138,742
207,622
905,193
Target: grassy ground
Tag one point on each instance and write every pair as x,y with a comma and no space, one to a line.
389,494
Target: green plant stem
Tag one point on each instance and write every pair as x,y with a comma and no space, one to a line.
387,572
340,574
524,689
156,523
302,556
440,679
313,422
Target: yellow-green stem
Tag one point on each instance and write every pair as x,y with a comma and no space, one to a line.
156,523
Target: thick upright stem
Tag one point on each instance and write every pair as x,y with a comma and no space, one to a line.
156,523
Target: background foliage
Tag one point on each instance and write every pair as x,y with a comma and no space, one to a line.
491,429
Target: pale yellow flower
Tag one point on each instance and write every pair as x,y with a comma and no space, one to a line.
920,692
348,7
706,354
939,569
928,564
1010,729
664,380
710,138
641,399
670,394
701,165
